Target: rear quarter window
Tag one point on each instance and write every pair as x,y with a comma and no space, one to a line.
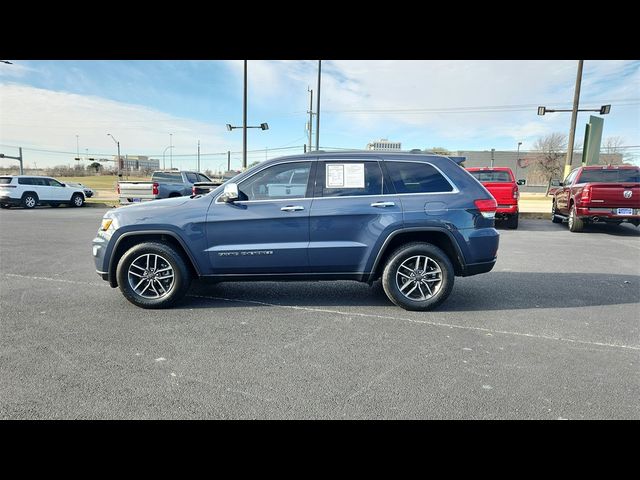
417,177
5,180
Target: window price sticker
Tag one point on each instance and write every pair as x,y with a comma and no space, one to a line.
345,175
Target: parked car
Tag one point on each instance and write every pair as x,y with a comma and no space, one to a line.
503,186
163,184
415,221
29,191
87,191
598,193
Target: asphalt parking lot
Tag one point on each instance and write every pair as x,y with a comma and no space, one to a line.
553,332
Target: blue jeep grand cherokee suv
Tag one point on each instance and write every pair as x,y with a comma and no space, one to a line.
415,220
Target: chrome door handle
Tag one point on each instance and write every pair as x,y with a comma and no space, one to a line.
383,204
292,208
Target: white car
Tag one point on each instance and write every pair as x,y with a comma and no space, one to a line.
87,191
29,191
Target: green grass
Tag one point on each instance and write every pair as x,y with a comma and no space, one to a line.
102,182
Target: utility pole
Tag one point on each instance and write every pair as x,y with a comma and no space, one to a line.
310,112
244,120
228,160
318,109
493,151
574,118
198,155
171,150
19,158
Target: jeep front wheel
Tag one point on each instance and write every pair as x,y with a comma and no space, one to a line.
153,275
418,276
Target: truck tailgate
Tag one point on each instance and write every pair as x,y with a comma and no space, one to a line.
135,192
613,194
502,192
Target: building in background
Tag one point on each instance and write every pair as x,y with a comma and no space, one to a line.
384,145
138,163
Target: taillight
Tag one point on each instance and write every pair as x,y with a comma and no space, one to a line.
487,207
193,190
155,188
118,189
586,194
516,193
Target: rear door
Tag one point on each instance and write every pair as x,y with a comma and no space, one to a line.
613,187
353,209
266,231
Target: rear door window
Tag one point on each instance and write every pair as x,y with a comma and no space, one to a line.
417,177
191,177
347,179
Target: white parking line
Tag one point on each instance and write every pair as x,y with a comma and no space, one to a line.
425,322
369,315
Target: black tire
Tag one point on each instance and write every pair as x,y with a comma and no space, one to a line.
512,222
174,260
77,200
406,253
554,218
575,224
29,200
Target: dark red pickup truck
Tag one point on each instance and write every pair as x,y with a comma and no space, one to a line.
598,193
502,185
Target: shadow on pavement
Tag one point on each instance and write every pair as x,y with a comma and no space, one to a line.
530,225
492,291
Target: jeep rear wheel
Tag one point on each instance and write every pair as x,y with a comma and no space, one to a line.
418,276
153,275
29,200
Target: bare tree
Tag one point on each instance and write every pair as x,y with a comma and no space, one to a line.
550,154
612,144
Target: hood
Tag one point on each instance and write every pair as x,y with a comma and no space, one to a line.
156,204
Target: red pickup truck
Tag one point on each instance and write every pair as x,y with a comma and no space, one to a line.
503,186
598,193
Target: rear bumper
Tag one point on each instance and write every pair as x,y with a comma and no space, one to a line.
606,214
10,201
506,210
477,268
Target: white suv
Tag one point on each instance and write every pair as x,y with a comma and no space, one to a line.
29,191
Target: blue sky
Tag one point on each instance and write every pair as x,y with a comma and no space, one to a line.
54,108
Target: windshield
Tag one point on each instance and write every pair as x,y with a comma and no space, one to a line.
618,175
492,176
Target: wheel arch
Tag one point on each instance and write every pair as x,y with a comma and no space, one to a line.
441,238
130,239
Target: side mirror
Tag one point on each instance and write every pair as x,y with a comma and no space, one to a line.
230,193
63,184
522,181
560,184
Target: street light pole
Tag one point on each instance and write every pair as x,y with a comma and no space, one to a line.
574,118
244,120
171,150
518,160
164,165
117,143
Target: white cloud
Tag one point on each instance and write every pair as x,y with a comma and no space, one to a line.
49,120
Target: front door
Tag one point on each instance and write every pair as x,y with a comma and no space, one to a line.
266,231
